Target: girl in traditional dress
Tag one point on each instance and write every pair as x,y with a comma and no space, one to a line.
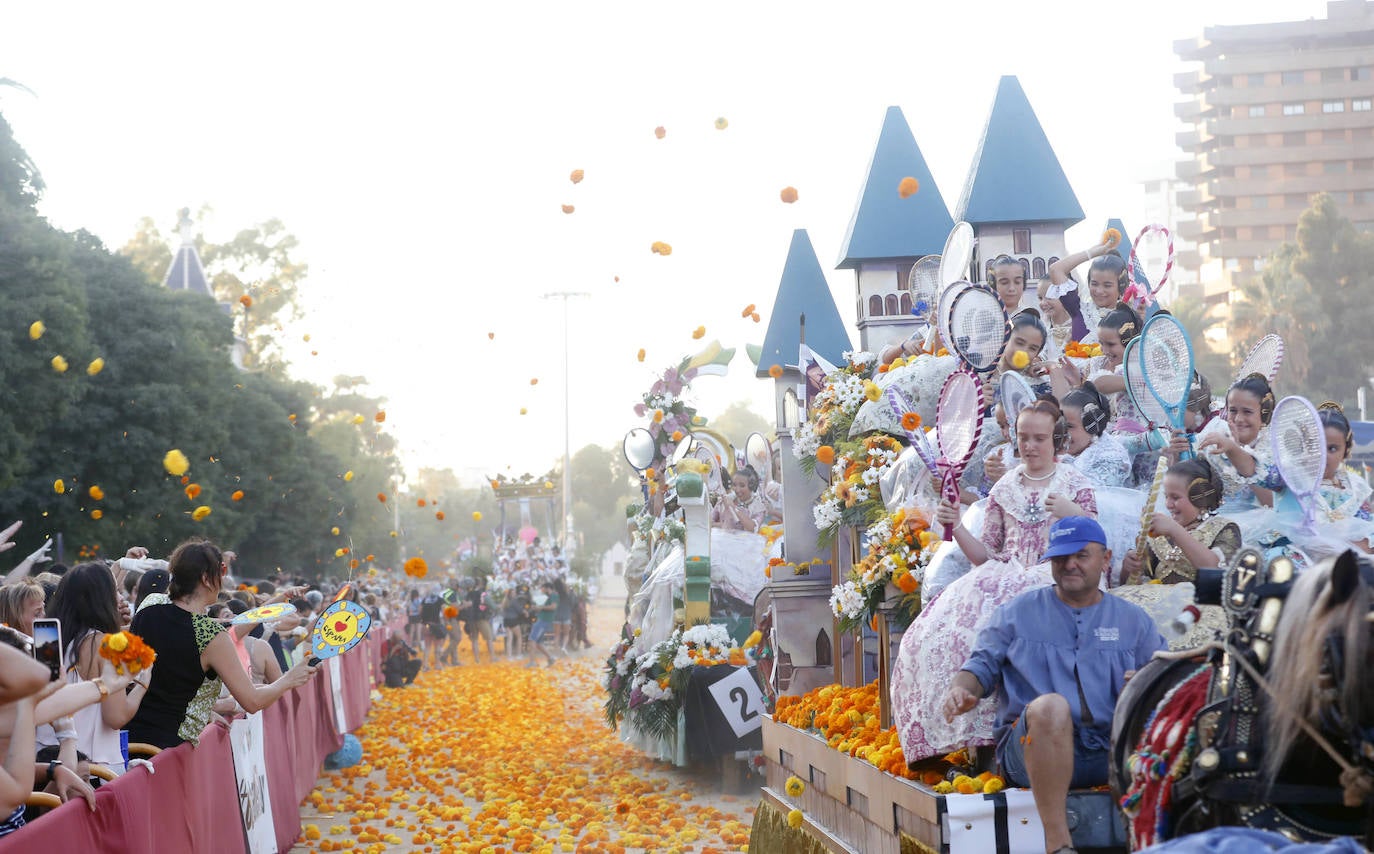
1007,277
1106,283
1007,562
1343,502
1190,535
1097,454
1240,446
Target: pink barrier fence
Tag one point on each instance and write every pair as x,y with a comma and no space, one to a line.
191,803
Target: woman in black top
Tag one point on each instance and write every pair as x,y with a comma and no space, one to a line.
194,654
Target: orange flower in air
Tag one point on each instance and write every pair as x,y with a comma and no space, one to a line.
97,515
775,371
192,490
748,310
1111,237
576,176
910,421
246,301
640,355
907,187
658,247
439,514
381,496
237,496
419,502
96,493
567,209
788,195
380,416
699,332
825,455
660,132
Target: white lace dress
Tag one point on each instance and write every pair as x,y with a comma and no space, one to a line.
938,642
1104,463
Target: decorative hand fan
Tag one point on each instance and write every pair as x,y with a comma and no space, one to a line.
901,406
1299,444
1167,357
1264,358
978,329
958,254
275,611
958,423
340,627
1136,389
1145,283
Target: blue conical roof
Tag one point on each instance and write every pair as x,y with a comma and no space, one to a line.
186,273
803,290
1015,176
886,226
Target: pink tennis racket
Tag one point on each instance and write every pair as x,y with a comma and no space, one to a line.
1145,284
958,423
1264,358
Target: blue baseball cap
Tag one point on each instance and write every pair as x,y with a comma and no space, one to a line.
1070,534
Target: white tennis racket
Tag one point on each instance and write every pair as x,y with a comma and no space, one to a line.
924,286
958,423
1264,358
1299,445
978,328
958,254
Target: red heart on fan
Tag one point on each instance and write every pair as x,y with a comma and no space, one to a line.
340,626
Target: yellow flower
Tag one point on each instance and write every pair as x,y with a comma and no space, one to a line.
794,786
117,641
200,512
175,463
340,552
58,486
524,411
722,123
358,419
548,484
36,330
59,364
1020,359
993,786
944,787
96,493
794,819
477,515
660,248
871,390
96,366
334,531
348,476
907,187
754,639
699,332
640,355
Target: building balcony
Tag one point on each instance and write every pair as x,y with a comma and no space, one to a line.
1227,96
1276,154
1189,82
1189,110
1312,120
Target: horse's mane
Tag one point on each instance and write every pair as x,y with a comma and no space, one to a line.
1313,612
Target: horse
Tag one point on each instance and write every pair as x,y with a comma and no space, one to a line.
1271,727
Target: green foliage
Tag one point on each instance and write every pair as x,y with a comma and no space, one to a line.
1315,293
738,421
1197,317
601,486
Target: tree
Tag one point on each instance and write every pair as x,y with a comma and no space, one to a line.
1197,318
738,421
600,489
1315,293
20,183
258,262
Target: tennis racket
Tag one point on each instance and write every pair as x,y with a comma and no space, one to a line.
924,285
1136,391
978,329
1015,394
1167,357
1299,444
958,254
958,423
1264,358
1148,277
901,406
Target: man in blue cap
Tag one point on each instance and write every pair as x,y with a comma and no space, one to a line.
1060,656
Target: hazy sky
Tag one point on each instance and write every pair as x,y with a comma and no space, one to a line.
421,152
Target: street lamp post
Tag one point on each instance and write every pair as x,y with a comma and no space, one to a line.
567,448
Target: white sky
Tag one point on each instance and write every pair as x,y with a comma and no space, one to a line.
420,151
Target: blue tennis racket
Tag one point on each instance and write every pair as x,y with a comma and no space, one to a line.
1166,356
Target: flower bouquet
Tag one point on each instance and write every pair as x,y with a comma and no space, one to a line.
900,545
127,652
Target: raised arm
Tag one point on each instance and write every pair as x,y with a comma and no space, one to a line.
221,656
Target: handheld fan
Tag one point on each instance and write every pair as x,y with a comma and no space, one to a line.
958,423
264,613
1264,358
901,406
958,254
1144,284
978,329
340,627
1139,394
1299,444
1167,357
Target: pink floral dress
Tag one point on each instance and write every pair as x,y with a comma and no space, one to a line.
938,642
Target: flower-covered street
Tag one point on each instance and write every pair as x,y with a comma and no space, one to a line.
501,758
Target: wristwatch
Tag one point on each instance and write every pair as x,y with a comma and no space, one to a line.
52,768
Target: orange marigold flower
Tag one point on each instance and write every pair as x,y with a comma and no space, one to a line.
677,435
246,301
788,195
127,652
825,455
775,371
748,310
237,496
640,355
192,490
439,515
96,493
416,567
660,132
910,420
420,502
576,176
907,187
380,416
97,515
907,583
381,496
699,332
567,209
1111,237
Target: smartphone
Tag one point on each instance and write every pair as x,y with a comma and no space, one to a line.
47,646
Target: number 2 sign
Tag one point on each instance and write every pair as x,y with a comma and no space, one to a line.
740,701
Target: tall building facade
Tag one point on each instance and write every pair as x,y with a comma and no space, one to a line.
1273,114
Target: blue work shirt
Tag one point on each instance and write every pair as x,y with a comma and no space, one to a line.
1035,644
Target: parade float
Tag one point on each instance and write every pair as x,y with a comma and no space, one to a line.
836,778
